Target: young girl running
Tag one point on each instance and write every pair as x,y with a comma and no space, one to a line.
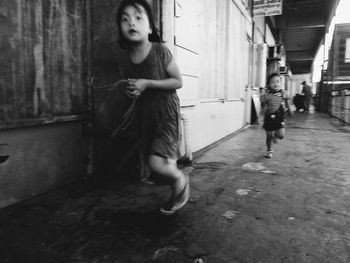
153,78
275,104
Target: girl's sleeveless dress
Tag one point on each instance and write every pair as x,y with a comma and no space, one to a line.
159,109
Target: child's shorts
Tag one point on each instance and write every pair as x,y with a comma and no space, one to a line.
274,121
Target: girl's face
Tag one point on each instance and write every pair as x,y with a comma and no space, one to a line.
275,83
135,24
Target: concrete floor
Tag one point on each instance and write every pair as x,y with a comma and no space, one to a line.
244,208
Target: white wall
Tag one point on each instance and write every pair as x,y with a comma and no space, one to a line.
270,40
259,30
211,121
212,50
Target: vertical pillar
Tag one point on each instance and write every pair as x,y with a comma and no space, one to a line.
168,22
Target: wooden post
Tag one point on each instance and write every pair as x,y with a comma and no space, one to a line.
167,23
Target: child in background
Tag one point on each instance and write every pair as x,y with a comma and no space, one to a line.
153,78
275,104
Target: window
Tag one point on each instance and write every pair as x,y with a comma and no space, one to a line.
225,52
347,51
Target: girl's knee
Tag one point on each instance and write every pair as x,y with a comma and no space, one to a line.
155,163
279,135
161,165
269,135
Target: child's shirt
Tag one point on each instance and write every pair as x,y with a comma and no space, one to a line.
272,101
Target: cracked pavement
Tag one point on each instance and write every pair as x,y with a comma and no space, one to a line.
244,208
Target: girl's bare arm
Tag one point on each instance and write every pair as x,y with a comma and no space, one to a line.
174,81
286,101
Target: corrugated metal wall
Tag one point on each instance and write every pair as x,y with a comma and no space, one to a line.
42,63
338,73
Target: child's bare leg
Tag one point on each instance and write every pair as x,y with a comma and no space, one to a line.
169,172
280,133
269,137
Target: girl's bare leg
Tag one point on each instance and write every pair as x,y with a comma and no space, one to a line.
169,172
269,137
280,133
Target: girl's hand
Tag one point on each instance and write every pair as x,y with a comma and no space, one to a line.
135,87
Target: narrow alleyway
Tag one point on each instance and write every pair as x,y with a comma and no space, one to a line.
244,208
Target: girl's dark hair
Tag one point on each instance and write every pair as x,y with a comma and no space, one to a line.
272,76
153,37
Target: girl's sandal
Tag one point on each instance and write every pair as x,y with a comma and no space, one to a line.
180,200
268,154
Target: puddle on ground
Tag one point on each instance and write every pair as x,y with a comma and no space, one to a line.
243,191
259,167
253,166
269,172
230,214
164,252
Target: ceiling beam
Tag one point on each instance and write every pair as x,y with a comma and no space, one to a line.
288,21
301,59
297,68
300,55
307,26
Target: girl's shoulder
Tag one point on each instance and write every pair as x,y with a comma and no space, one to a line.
265,97
160,48
162,52
284,94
